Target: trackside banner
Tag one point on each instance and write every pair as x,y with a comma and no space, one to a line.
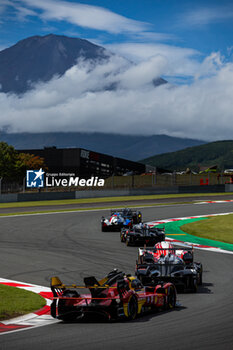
40,179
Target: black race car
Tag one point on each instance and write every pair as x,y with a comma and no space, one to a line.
142,234
120,218
167,263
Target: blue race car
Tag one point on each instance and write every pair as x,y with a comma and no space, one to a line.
120,218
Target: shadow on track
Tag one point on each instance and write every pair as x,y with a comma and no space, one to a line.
147,316
203,289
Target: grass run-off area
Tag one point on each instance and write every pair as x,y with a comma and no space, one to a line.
218,228
107,199
17,302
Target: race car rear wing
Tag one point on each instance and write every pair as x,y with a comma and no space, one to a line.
177,251
90,282
143,250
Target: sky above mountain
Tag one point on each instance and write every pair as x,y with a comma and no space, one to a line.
189,43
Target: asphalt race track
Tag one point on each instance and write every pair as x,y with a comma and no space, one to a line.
72,246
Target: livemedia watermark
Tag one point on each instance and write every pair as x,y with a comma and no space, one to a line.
40,179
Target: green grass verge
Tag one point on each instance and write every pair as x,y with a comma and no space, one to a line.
107,199
17,302
218,228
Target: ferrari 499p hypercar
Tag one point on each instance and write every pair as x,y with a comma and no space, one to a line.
117,296
120,218
167,263
141,234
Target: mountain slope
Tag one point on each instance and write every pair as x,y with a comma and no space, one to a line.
214,153
124,146
40,58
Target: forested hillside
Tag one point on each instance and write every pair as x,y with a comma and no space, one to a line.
215,153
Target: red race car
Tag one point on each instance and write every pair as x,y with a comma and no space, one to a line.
116,296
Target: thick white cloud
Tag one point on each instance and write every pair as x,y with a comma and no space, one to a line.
210,65
138,75
180,61
78,102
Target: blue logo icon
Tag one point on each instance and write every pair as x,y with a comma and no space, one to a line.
35,178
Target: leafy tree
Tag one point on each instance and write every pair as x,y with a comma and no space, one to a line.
8,157
13,165
26,161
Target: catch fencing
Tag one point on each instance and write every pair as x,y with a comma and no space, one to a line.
155,181
166,180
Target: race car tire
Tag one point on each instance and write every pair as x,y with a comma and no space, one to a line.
132,308
171,298
200,275
67,313
200,279
128,241
194,285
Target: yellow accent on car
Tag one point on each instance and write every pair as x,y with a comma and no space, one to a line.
56,282
141,302
101,282
125,307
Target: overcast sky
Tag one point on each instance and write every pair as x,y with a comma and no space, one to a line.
189,43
